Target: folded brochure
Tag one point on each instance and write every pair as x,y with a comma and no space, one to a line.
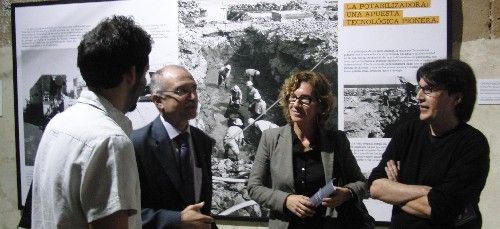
326,191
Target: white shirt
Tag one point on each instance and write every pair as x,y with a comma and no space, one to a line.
234,133
85,167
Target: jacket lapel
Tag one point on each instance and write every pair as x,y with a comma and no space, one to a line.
198,148
284,148
162,148
327,154
285,145
202,149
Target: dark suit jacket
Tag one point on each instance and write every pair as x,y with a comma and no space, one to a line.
161,197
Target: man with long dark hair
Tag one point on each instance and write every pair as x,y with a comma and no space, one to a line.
434,169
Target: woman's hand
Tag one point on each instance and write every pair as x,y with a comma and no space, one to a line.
299,205
392,170
341,195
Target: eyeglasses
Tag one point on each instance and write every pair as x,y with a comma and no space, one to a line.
427,89
302,100
182,91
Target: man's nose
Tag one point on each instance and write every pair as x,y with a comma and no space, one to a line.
420,95
193,95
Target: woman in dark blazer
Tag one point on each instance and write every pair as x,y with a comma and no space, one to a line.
296,160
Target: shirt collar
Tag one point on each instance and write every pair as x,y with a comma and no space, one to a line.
171,130
101,103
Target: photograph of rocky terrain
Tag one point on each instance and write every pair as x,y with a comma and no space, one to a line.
45,89
240,52
47,97
374,111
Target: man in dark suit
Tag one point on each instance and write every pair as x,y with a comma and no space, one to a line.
173,157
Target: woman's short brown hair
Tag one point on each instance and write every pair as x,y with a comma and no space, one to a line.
322,92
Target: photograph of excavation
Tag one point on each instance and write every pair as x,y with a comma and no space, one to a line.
240,52
374,111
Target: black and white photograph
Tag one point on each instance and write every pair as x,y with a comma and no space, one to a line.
374,111
48,89
240,52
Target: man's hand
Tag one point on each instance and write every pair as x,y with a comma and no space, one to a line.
191,217
299,205
341,195
392,170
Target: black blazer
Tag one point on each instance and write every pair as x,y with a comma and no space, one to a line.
161,197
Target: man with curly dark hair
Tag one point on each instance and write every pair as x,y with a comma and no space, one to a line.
85,172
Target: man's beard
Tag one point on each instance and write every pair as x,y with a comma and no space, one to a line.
133,95
192,106
132,107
